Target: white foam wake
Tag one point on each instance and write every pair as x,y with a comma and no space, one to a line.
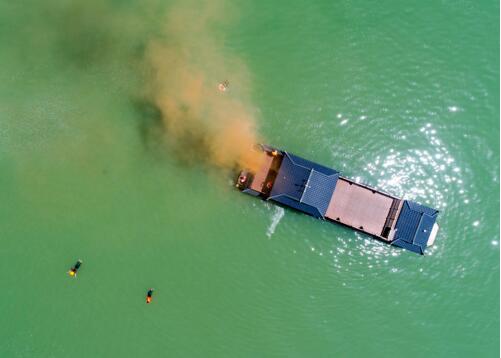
277,216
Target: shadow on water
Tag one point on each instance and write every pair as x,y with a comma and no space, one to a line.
188,148
84,34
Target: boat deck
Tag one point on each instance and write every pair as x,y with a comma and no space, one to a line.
261,175
359,207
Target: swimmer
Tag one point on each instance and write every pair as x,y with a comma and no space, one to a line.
223,86
148,295
73,271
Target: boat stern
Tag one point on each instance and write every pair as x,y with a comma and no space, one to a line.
244,179
433,235
260,182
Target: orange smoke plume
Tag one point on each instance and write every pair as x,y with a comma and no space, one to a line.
188,65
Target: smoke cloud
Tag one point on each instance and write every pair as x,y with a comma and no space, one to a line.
169,55
187,62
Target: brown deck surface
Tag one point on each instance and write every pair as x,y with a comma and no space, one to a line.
260,176
359,207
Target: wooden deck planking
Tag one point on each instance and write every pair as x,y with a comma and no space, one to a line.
359,207
260,176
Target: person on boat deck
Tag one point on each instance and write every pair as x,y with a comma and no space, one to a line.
148,295
73,271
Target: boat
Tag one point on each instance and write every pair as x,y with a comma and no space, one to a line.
291,181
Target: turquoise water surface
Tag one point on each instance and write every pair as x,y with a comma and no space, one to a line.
402,96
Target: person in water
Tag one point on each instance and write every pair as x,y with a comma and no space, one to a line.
223,86
148,295
73,271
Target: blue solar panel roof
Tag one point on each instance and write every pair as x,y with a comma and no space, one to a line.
304,185
311,165
414,226
291,179
319,189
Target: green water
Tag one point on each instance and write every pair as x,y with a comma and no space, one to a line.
402,96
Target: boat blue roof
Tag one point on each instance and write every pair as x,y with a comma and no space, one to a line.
304,185
414,226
